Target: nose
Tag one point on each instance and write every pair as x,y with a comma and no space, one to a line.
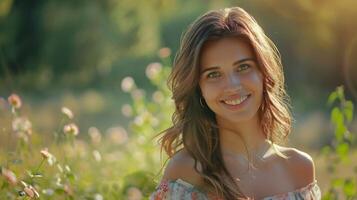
233,83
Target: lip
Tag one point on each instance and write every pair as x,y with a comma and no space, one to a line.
235,107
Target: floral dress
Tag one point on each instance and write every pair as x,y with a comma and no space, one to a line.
181,190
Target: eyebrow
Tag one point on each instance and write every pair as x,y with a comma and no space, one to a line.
235,63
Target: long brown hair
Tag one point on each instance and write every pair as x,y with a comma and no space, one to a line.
194,127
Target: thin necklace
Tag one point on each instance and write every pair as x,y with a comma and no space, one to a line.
259,155
253,164
255,159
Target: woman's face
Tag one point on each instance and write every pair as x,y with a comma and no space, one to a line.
230,80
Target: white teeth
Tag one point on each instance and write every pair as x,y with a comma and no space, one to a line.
236,101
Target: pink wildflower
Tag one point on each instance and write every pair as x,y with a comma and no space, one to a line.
71,129
164,52
15,101
45,154
9,176
30,191
48,156
22,124
127,84
67,112
153,69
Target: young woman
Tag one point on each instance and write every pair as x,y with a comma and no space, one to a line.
231,114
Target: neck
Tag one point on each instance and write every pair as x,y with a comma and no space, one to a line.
241,138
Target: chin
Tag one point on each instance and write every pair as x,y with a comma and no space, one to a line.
238,118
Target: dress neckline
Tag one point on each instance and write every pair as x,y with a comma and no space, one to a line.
301,189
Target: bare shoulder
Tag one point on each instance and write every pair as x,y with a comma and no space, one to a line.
300,165
181,166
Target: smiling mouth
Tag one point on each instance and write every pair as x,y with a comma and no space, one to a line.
234,102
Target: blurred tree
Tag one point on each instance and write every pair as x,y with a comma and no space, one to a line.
88,43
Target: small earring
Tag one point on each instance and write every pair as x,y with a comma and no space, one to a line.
201,102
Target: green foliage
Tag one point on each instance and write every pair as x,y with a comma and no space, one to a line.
117,165
151,115
338,153
121,165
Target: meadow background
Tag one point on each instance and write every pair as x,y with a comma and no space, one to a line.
91,92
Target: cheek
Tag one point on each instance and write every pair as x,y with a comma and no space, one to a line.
209,91
256,81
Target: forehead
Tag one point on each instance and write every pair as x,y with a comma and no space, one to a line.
225,51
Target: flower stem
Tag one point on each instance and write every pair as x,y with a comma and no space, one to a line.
39,166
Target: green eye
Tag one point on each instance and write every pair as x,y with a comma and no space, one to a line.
213,75
243,67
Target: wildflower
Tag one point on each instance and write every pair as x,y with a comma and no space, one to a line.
154,121
138,94
48,191
60,169
22,124
45,154
98,196
71,129
126,110
164,52
95,135
30,190
134,194
67,168
117,135
97,156
139,120
48,156
67,112
68,190
153,69
9,176
15,101
127,84
158,97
